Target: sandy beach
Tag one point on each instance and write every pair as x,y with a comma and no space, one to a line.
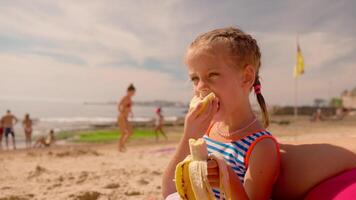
98,171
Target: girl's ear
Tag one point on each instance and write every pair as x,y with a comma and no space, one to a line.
249,76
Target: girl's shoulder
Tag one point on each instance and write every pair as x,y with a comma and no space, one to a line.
263,142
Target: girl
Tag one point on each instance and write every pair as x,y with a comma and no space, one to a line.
125,108
27,125
227,62
159,124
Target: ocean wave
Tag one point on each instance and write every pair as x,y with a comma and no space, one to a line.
101,119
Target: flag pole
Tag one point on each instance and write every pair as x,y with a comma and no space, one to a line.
296,89
296,98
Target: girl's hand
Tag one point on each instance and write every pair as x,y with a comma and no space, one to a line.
213,173
196,124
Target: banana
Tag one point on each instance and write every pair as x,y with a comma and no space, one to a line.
183,184
191,174
196,100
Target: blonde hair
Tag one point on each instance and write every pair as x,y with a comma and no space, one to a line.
242,48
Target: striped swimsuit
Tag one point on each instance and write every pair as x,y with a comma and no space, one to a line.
236,153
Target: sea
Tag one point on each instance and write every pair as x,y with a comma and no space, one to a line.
71,115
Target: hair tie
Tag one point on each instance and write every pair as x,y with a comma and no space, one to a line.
257,88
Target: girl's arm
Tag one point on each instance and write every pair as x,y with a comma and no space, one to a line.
263,170
194,127
168,185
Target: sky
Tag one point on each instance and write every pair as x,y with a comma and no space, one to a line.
92,50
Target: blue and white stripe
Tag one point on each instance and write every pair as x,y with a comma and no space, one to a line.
234,153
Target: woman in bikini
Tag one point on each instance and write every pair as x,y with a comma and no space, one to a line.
124,108
27,125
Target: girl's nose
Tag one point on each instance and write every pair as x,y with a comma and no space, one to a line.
203,88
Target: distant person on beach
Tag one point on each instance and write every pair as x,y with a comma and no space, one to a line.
1,133
159,124
8,123
27,125
317,116
45,141
125,109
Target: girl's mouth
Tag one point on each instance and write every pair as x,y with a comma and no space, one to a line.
218,104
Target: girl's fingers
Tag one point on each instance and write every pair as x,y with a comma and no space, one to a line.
195,111
213,171
212,163
213,168
214,184
213,178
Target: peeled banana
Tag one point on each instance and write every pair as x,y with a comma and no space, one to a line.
205,100
191,174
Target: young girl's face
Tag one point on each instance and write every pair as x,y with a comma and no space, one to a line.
216,73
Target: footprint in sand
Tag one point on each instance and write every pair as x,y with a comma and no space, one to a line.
22,197
37,172
77,152
132,193
6,188
54,186
142,181
82,177
144,171
157,173
87,195
60,179
31,154
112,186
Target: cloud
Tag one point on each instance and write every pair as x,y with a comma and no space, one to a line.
68,49
64,81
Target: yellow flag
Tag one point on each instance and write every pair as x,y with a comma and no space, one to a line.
299,67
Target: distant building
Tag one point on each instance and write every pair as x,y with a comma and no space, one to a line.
349,99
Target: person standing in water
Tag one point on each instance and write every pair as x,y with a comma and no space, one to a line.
27,125
159,124
8,122
125,109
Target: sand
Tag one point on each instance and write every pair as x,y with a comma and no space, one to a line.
98,171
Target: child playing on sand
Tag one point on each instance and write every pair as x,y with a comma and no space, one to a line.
226,62
45,141
159,124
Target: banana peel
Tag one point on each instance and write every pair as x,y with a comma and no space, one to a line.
191,175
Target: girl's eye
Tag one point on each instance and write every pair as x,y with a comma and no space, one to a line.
213,75
194,79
